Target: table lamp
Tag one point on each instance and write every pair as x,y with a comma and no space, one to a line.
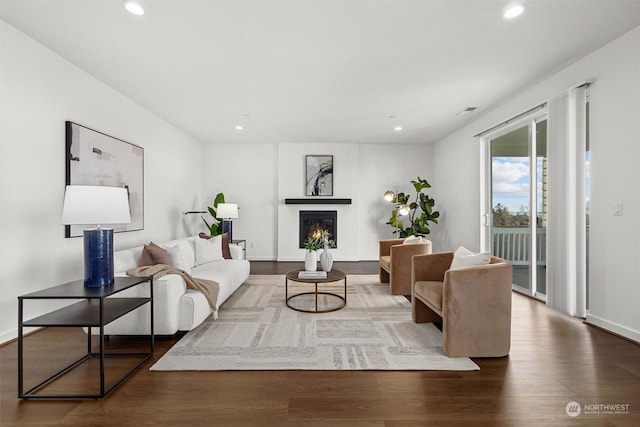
89,205
226,211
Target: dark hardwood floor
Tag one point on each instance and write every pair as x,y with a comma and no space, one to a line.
349,267
554,360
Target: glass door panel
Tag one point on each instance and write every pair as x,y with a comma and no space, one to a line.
518,201
510,195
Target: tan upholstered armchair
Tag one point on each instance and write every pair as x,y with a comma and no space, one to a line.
473,303
395,263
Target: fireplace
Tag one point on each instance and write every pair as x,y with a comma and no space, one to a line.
314,221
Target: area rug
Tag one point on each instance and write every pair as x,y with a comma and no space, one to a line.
255,330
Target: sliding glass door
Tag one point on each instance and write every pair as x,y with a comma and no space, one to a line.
516,201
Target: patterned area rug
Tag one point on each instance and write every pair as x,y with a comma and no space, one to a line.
257,331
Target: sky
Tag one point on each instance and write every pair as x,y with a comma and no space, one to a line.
510,182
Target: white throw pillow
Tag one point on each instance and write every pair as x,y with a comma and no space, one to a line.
177,259
412,239
208,250
463,257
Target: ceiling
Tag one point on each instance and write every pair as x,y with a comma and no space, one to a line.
313,71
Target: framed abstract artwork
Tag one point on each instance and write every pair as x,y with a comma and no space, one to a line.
94,158
319,175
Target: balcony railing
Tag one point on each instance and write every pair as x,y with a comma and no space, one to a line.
512,244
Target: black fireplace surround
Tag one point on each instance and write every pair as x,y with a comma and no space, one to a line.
310,221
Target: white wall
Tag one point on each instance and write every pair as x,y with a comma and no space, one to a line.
389,167
39,91
246,174
615,155
259,177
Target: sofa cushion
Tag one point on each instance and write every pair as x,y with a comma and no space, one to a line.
208,250
463,257
229,274
430,291
179,258
412,240
145,258
226,252
153,254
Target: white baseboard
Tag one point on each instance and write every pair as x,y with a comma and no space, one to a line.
8,336
613,327
13,334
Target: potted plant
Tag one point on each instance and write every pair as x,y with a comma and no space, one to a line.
312,244
420,213
214,227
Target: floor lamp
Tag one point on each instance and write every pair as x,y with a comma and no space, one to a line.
401,208
87,205
227,211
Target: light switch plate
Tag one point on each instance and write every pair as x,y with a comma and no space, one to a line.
617,209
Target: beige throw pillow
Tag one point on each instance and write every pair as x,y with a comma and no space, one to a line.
226,252
412,240
463,257
208,250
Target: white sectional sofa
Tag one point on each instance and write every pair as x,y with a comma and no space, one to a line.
177,308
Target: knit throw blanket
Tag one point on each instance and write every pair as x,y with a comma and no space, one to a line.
208,287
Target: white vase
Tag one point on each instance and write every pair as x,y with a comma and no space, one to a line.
311,261
326,260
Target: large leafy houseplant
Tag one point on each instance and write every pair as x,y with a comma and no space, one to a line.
215,227
421,211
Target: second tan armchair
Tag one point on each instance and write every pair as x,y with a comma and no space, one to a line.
395,263
473,303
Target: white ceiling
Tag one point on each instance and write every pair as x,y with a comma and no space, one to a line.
320,70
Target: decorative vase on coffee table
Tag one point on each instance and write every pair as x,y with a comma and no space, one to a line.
326,260
311,261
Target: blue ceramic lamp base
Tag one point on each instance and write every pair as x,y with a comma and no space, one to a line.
98,257
227,227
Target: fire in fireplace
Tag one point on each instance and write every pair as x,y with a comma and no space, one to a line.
313,222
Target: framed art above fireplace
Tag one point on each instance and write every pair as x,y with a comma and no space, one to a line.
319,175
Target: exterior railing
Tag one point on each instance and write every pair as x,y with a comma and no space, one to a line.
512,244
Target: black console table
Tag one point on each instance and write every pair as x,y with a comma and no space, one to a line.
94,310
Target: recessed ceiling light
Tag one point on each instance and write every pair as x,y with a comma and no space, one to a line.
513,10
239,128
133,7
398,128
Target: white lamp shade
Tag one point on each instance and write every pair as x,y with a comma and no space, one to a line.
227,210
92,204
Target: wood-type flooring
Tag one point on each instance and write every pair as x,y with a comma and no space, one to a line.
554,360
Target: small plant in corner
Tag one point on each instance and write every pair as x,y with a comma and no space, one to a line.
215,228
